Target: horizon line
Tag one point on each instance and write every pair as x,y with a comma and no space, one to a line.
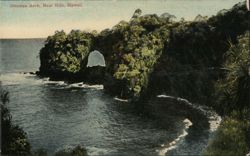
16,38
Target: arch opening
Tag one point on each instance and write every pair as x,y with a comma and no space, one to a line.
96,58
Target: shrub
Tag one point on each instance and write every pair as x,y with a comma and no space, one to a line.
14,139
232,139
65,53
234,89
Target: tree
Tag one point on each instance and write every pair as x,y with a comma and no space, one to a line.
137,13
234,90
14,139
64,53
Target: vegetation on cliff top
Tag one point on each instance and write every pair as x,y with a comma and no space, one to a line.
137,51
233,101
13,139
231,139
192,60
234,90
131,49
145,44
65,53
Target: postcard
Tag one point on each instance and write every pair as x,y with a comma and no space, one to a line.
125,77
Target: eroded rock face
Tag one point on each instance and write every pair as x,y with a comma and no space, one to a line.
137,51
94,75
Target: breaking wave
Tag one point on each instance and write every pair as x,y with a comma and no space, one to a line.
173,144
213,118
10,79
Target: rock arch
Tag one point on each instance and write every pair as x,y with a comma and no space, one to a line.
96,58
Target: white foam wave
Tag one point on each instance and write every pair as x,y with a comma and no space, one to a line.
173,144
32,79
87,86
248,154
165,96
97,151
122,100
59,83
213,118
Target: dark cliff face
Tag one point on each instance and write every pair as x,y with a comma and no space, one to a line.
149,54
193,59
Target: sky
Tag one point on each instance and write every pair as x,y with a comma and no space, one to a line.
17,21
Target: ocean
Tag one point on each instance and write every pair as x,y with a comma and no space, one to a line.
57,115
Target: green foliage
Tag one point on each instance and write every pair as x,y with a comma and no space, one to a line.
65,53
14,139
137,13
230,23
137,60
131,49
203,42
232,139
234,89
197,45
145,44
193,56
233,92
77,151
